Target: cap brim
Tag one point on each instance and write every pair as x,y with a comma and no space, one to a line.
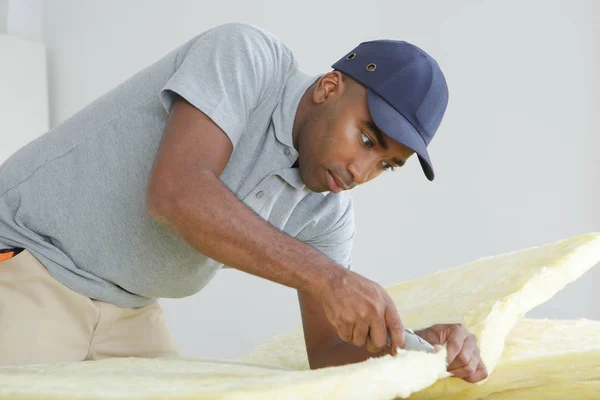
394,125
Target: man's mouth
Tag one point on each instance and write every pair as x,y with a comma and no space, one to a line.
334,183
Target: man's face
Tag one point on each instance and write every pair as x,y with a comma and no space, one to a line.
339,145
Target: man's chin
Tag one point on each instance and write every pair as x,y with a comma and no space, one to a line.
316,189
313,184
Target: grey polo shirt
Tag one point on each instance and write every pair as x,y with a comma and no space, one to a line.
75,196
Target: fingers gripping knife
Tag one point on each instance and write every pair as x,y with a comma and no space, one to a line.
414,342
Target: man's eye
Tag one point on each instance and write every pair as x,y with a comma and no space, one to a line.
387,166
367,141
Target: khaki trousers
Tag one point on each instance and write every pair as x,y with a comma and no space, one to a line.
42,321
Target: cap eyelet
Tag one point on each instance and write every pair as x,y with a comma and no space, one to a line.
371,67
351,56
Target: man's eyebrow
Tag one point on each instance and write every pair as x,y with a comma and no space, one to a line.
382,141
378,134
398,161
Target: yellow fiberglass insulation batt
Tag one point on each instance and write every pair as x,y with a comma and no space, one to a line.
526,358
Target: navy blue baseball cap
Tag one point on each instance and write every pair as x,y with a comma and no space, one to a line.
406,91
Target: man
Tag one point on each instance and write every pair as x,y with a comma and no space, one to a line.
221,153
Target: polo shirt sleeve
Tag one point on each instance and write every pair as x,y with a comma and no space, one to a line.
336,239
226,72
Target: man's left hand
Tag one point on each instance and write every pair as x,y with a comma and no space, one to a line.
463,356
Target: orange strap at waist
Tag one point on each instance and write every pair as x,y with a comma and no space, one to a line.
6,256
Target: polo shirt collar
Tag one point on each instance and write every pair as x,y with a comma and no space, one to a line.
285,112
283,121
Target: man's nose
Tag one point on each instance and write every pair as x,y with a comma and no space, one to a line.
361,170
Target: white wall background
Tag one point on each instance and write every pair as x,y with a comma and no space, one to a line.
23,75
24,19
23,93
3,15
515,158
24,113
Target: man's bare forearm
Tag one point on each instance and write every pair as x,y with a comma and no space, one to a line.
211,219
342,353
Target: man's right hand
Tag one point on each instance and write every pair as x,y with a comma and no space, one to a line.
361,311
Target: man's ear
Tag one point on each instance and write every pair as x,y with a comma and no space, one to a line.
329,86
